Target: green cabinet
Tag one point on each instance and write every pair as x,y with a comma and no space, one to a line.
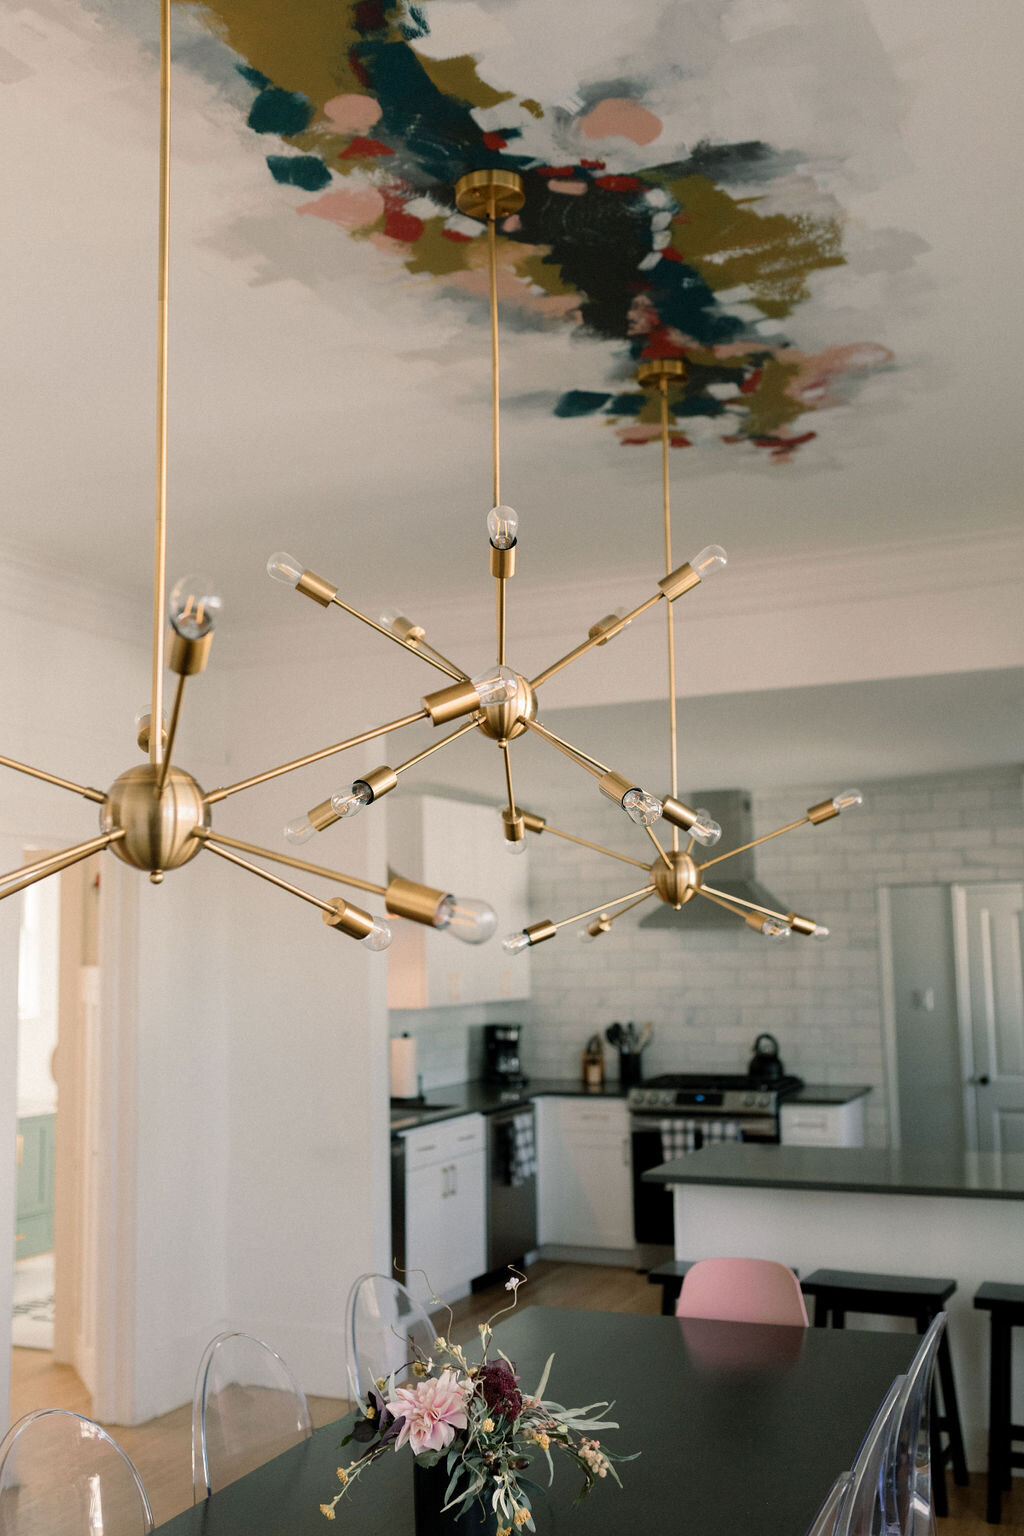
37,1142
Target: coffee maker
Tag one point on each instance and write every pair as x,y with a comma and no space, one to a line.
501,1055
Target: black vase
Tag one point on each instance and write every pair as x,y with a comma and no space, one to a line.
428,1490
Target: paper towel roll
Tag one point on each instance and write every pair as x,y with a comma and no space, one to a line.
404,1082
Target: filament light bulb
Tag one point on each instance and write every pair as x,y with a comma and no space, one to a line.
641,807
349,802
708,561
704,830
847,799
466,918
775,928
515,848
285,568
193,606
502,527
515,943
820,931
379,936
300,830
497,686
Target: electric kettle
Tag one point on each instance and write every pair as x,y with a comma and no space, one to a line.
765,1066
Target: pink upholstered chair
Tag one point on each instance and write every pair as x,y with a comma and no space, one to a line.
742,1291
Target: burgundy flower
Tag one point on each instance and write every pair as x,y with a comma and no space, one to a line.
500,1392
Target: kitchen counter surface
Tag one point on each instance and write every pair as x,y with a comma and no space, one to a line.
487,1098
828,1093
857,1170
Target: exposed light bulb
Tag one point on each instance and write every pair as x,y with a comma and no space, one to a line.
284,567
708,561
466,918
775,928
379,936
515,943
497,686
820,931
641,807
704,830
389,618
502,527
349,802
300,830
193,606
847,799
515,848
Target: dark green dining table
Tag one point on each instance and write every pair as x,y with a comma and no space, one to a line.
742,1428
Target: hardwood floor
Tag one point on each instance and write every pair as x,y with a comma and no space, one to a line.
162,1448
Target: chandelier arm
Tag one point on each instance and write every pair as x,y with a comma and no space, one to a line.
208,837
719,858
468,725
492,269
28,874
721,902
156,750
313,757
638,903
748,906
51,778
508,778
673,722
172,730
661,852
597,847
599,639
264,874
432,651
414,650
604,905
500,584
584,759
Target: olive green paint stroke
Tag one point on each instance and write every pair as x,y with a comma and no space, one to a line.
731,245
545,274
458,78
769,408
533,107
434,253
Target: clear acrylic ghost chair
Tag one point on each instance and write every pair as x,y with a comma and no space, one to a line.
63,1475
862,1510
386,1330
824,1522
742,1291
907,1474
247,1408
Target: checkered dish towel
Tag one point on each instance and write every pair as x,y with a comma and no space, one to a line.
678,1137
517,1150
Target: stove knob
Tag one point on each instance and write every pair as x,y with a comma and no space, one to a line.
764,1102
667,1098
748,1100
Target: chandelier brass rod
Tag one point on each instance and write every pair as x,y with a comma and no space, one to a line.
720,902
749,906
638,903
501,584
51,778
293,863
603,907
414,650
172,730
53,863
756,843
584,759
438,656
661,852
264,874
160,541
313,757
588,645
492,265
445,741
673,724
622,857
508,778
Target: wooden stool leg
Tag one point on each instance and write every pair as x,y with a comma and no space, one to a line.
997,1417
821,1310
951,1414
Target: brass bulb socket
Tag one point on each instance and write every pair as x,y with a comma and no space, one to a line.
679,581
823,812
614,786
142,737
538,932
676,812
533,823
599,925
603,627
323,815
672,370
503,562
381,781
755,920
407,898
449,703
515,826
406,630
314,586
189,656
805,925
478,192
351,920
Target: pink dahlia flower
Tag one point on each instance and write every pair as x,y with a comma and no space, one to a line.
432,1411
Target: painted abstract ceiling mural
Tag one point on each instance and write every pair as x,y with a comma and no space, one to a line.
705,252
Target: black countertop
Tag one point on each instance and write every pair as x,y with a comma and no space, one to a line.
857,1170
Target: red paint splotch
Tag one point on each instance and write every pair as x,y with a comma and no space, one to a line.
619,183
495,141
365,149
398,224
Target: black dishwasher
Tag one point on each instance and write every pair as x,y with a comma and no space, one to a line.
511,1185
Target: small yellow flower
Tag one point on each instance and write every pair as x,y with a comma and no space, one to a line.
543,1442
418,1368
371,1412
504,1530
521,1516
380,1383
440,1343
488,1426
328,1510
342,1476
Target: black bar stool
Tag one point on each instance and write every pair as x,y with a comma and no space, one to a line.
1005,1307
670,1277
838,1291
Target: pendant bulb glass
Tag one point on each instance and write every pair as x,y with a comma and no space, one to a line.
515,943
704,830
708,561
820,931
847,799
193,606
285,568
515,848
349,802
300,830
641,807
496,686
466,918
502,527
775,928
379,936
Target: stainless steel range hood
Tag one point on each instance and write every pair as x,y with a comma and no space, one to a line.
731,808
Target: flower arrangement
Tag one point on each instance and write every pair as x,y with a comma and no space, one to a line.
478,1422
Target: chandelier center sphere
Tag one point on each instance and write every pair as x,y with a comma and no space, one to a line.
158,831
504,722
678,881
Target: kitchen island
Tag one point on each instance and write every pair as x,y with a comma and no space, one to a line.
957,1215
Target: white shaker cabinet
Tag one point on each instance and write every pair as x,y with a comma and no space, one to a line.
446,1204
584,1181
458,847
822,1125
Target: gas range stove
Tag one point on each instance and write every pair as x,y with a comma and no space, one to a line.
710,1093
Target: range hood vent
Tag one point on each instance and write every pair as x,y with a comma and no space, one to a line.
731,808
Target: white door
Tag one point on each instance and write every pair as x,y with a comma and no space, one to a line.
990,990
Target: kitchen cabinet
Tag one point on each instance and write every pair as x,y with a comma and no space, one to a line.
36,1157
446,1204
457,847
822,1125
584,1185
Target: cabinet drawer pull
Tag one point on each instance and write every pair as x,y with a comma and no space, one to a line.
431,1146
469,1136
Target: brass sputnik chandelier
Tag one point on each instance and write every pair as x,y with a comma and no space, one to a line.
156,817
675,876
